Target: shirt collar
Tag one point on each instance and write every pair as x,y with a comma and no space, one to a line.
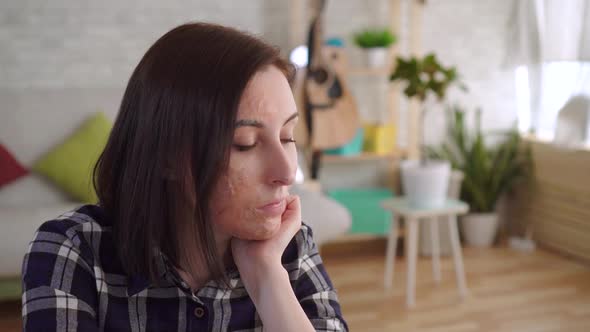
167,275
138,283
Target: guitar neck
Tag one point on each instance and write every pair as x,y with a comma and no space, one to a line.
317,33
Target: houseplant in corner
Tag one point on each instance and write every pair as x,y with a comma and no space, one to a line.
425,182
489,171
375,42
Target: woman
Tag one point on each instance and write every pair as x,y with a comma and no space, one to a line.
195,229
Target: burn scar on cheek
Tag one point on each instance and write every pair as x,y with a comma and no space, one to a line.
252,222
237,190
233,179
230,188
227,187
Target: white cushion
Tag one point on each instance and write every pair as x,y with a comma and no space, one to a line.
31,190
327,218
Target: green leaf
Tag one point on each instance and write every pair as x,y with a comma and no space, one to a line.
376,37
411,70
489,171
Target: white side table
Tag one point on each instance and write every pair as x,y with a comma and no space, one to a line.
412,216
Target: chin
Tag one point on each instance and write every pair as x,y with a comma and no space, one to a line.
262,229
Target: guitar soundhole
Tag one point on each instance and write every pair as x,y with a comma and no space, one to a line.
320,75
335,91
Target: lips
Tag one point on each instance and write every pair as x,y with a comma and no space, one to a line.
273,208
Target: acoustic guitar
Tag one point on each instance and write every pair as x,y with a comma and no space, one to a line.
330,117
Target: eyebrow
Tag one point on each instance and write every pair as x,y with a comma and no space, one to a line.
258,124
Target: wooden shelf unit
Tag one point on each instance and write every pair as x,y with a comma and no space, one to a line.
413,11
388,164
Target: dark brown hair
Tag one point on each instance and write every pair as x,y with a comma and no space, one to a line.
171,141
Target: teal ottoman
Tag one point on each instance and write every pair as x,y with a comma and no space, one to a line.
367,215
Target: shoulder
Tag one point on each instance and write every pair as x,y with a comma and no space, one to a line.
73,236
75,219
59,269
76,226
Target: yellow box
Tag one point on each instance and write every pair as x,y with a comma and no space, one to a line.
379,138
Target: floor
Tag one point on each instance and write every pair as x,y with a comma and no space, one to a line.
10,317
509,291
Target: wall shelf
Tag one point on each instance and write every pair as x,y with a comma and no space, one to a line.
363,157
366,71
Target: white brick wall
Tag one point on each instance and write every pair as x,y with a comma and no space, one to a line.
63,44
470,35
68,43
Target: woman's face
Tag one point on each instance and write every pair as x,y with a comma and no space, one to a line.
249,199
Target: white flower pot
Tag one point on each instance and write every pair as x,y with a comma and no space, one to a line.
425,185
479,229
377,56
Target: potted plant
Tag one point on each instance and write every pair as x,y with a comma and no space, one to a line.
489,171
376,43
425,182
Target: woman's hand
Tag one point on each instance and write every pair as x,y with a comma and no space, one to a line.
265,279
257,260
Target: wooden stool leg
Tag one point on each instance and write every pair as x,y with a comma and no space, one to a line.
435,248
390,253
457,256
411,257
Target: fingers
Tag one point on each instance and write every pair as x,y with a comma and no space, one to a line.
291,219
292,213
293,203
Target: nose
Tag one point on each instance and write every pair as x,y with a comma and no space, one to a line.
281,165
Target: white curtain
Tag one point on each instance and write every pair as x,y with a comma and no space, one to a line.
551,40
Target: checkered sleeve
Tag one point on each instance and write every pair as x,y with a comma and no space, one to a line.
313,286
59,287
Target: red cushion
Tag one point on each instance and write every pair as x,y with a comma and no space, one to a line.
10,168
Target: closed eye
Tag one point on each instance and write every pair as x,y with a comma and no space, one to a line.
242,148
289,140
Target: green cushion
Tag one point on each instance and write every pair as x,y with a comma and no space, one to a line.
70,164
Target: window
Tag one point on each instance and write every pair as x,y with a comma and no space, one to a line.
559,82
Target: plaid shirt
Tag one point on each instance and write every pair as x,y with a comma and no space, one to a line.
73,281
